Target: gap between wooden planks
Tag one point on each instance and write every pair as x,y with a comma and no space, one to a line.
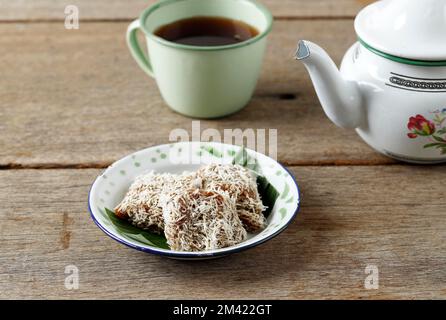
93,165
118,10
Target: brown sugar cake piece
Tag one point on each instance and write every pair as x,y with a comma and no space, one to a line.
141,205
201,220
240,183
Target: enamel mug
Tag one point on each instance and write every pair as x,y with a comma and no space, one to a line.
202,81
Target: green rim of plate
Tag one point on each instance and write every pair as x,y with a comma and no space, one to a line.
156,6
422,63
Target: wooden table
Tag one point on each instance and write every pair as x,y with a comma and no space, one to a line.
74,101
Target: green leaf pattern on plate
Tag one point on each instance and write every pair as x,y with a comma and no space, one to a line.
283,213
285,191
212,151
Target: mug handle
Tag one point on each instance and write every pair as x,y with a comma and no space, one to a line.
135,48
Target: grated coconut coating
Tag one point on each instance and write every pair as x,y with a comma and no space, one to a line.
141,206
210,209
199,220
241,185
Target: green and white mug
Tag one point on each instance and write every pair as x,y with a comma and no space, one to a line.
202,82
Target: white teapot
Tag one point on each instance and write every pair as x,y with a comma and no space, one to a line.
392,83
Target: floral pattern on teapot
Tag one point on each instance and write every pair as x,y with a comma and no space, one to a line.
433,131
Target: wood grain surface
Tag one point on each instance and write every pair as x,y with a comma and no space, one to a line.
75,101
80,99
31,10
388,216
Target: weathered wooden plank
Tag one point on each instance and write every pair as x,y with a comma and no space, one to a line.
116,9
76,97
388,216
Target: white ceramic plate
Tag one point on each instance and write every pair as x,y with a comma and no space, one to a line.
110,187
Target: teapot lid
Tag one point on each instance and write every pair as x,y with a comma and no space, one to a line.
405,29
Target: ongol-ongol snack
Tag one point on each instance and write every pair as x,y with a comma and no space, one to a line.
198,220
210,209
141,204
241,185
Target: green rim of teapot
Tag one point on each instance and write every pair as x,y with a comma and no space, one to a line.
422,63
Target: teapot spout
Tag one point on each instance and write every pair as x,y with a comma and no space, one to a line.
340,98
